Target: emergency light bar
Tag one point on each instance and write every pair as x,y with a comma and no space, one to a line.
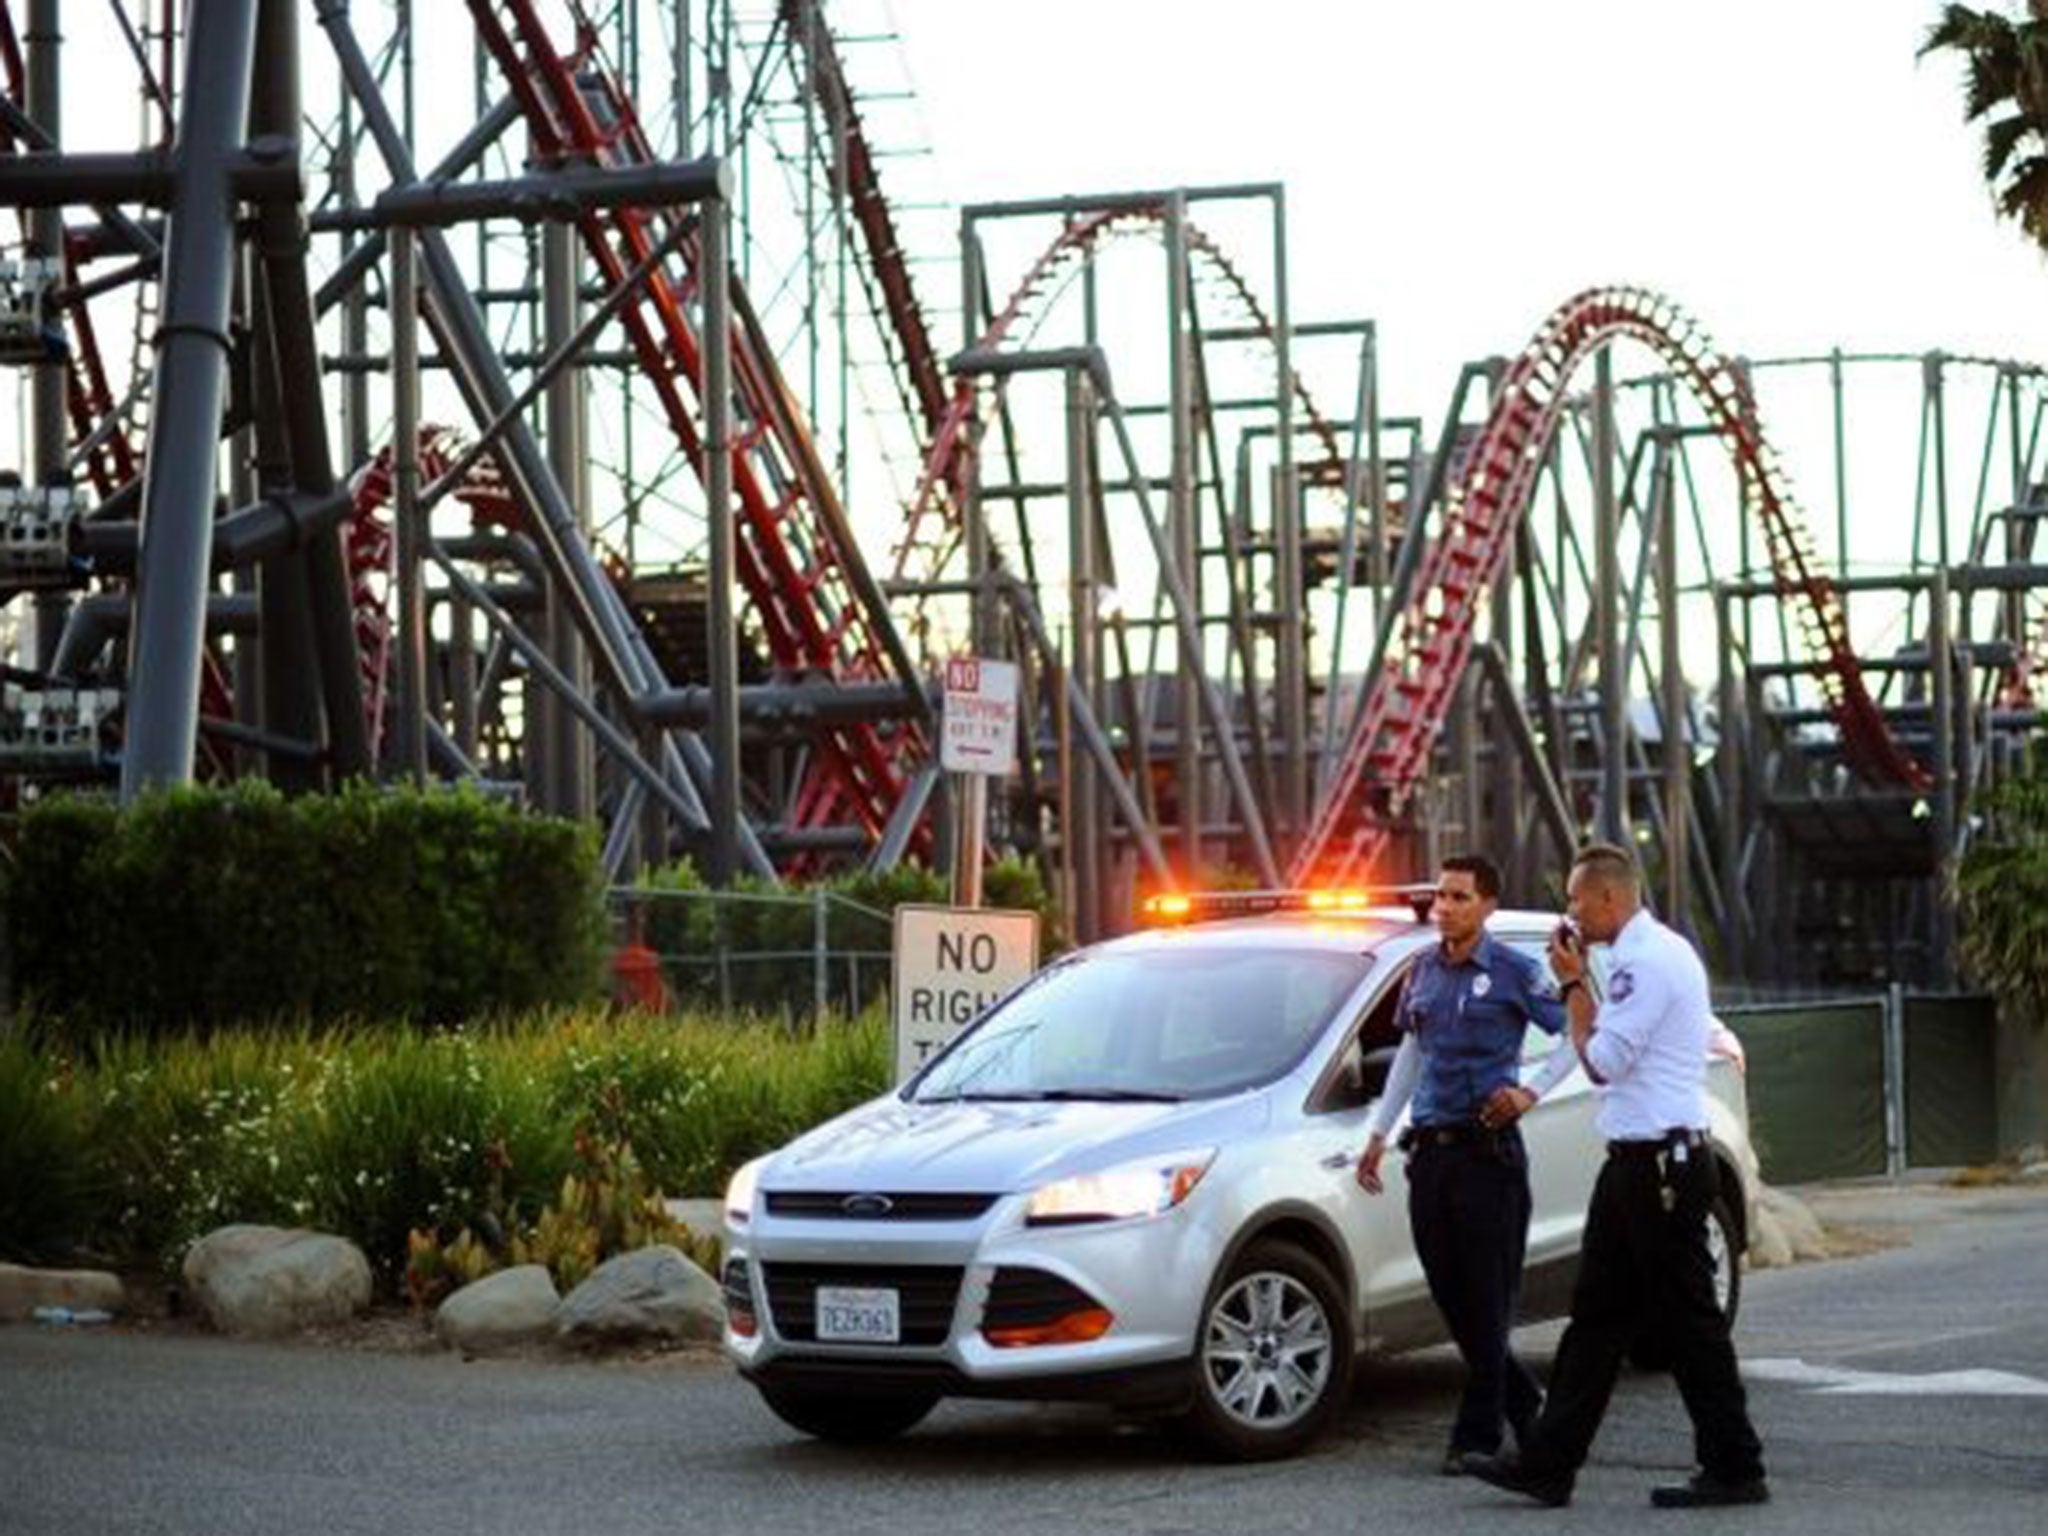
1172,908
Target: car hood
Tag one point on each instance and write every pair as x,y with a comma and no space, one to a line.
897,1147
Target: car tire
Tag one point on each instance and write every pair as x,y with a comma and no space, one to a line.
1650,1352
847,1418
1263,1392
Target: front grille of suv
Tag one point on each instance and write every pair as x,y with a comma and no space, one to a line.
926,1294
832,1205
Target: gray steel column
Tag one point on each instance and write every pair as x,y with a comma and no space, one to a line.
410,717
568,752
46,242
172,573
1080,833
462,678
1677,720
1727,751
274,116
1607,607
1941,700
1291,664
715,284
1181,521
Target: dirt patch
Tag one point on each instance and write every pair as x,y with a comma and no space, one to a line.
1846,1241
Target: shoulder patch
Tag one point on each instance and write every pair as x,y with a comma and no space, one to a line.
1621,984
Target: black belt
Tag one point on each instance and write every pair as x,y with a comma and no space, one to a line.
1454,1133
1653,1146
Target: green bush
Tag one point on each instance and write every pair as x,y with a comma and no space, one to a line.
47,1193
2002,892
140,1146
237,905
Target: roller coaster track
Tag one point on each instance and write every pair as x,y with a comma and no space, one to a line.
1387,756
923,553
817,607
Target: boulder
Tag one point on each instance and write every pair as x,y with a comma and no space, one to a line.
82,1290
268,1280
653,1294
509,1310
1801,1228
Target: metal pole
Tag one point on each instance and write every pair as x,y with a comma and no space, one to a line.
715,281
1607,608
411,718
172,574
1941,683
1677,725
972,798
1292,662
1080,834
1181,520
1894,1010
46,243
821,972
568,754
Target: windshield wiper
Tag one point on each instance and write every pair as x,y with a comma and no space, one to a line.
1107,1096
971,1097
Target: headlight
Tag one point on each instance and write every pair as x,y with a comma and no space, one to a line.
1149,1187
739,1194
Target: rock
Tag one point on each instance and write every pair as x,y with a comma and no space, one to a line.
508,1310
652,1293
1800,1228
269,1281
82,1290
1768,1246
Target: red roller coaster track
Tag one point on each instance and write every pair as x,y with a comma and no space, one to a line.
797,557
1388,754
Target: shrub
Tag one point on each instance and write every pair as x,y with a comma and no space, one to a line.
2002,891
237,906
48,1196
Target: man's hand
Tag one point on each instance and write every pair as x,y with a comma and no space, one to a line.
1369,1164
1567,954
1505,1105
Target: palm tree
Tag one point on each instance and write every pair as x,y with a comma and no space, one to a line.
2008,92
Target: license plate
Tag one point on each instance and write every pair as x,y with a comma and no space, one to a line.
850,1314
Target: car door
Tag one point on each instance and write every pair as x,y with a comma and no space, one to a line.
1389,1274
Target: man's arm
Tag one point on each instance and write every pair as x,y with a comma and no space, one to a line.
1402,1077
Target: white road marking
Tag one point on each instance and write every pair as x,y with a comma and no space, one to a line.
1839,1380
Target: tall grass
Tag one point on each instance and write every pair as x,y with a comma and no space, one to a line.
372,1133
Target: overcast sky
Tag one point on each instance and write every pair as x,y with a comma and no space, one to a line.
1784,168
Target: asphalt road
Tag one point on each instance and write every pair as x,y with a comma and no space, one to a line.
1904,1391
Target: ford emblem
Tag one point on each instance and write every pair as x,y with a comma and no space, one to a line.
867,1205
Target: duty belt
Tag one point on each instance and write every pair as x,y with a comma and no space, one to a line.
1655,1146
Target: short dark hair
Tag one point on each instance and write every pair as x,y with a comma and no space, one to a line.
1484,872
1609,863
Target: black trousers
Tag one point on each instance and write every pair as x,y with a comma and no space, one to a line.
1468,1206
1642,1261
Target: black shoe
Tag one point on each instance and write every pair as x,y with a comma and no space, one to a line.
1705,1491
1551,1488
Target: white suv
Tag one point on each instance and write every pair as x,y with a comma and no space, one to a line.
1132,1181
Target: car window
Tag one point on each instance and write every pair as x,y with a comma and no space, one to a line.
1177,1021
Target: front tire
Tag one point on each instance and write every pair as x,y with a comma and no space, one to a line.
1273,1356
847,1418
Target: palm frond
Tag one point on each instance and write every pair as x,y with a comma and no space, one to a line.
1971,31
2025,197
1994,80
2001,140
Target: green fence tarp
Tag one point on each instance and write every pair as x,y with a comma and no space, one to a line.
1816,1089
1951,1081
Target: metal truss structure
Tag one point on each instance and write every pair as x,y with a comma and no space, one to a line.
377,397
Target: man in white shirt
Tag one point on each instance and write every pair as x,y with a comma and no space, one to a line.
1645,1252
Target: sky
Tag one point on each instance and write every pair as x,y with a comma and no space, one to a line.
1786,169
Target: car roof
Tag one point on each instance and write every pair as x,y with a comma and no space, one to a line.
1337,933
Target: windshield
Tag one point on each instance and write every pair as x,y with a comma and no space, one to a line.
1164,1024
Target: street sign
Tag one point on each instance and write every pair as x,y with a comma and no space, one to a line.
951,963
978,728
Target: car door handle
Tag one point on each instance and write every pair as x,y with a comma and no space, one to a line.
1341,1160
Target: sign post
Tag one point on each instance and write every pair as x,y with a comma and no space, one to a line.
977,738
949,965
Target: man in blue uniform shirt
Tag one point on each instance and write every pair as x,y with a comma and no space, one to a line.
1463,1013
1644,1255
